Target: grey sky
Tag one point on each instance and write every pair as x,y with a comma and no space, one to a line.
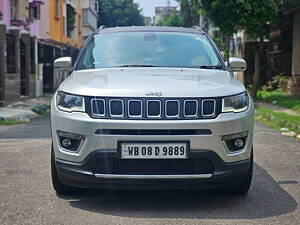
148,6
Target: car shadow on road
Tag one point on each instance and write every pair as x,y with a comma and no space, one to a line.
265,199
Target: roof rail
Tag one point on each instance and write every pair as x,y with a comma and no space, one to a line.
199,29
196,27
101,27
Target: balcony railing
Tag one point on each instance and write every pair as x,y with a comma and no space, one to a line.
17,22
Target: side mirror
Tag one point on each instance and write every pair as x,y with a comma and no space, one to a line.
63,63
62,69
236,64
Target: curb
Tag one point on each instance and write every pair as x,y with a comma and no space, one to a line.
24,111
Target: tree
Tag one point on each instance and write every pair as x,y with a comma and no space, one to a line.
174,19
119,13
189,10
252,16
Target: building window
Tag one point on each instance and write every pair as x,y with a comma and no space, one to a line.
79,25
85,20
71,20
14,9
97,6
64,26
34,12
57,9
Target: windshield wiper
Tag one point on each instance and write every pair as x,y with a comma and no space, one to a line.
138,65
218,67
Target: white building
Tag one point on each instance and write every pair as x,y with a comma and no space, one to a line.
89,17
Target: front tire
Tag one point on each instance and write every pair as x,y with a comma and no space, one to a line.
58,186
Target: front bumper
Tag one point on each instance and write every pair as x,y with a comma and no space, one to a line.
83,174
76,168
81,123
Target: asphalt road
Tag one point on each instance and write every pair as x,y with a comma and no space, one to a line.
27,197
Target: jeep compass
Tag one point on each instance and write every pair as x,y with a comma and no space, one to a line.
151,108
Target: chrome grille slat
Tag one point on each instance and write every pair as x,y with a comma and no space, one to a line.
208,110
116,110
168,108
188,108
130,108
96,108
154,111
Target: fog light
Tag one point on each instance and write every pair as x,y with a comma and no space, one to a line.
235,142
70,141
239,143
66,143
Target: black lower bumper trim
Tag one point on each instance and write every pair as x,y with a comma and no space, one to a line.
82,174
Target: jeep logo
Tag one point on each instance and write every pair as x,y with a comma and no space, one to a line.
154,93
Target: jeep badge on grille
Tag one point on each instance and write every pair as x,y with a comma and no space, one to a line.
154,93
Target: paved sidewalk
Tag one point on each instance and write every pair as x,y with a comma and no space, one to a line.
22,110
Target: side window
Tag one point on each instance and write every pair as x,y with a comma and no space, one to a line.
88,61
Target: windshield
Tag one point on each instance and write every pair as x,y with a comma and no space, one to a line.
147,49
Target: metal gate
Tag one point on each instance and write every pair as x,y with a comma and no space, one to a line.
11,53
23,68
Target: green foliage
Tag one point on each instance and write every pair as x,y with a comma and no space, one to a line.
277,97
174,20
218,41
253,16
8,122
41,109
119,13
277,83
277,120
190,12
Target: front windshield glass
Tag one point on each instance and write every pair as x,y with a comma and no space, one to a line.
157,49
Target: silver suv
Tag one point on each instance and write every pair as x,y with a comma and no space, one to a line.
151,108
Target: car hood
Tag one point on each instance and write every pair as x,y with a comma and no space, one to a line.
152,82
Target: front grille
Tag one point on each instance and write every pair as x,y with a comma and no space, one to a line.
153,108
153,166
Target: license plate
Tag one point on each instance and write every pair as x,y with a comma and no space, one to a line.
174,150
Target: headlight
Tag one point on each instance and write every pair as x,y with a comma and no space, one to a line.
236,103
70,103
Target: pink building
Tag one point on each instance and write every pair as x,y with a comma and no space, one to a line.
38,16
22,71
24,14
34,33
5,11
